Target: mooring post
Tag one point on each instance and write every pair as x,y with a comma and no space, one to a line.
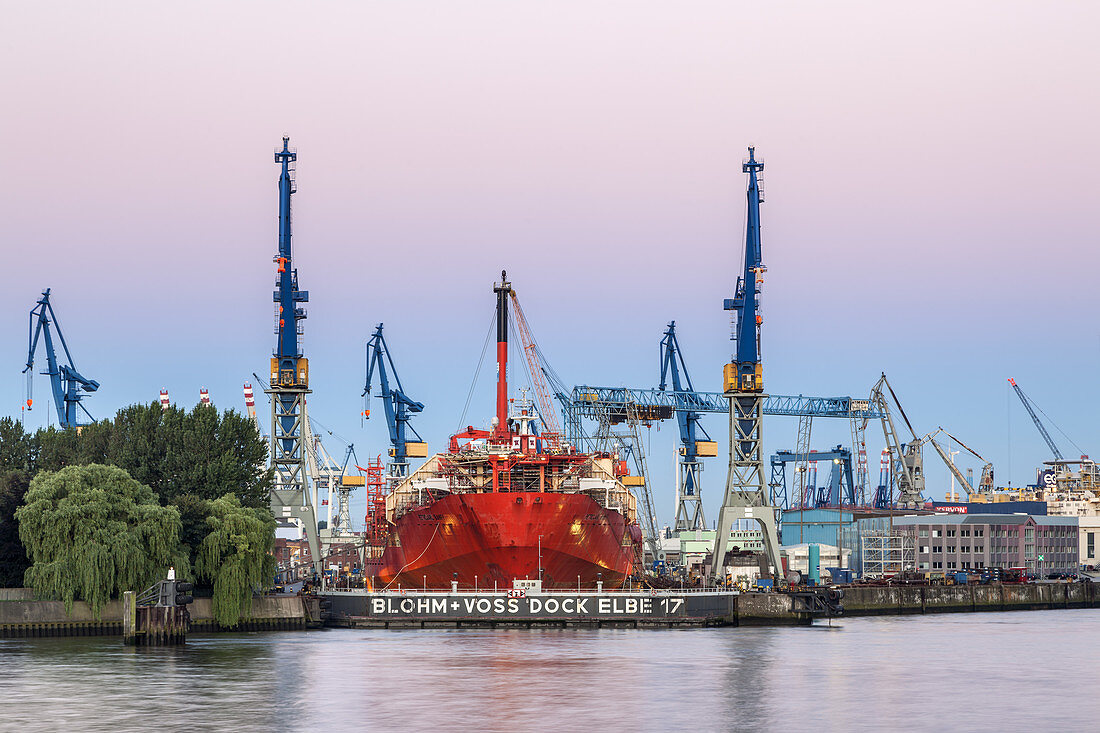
129,617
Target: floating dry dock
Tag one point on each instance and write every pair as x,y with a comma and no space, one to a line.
643,608
638,609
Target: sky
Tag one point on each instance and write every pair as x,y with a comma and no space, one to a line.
930,181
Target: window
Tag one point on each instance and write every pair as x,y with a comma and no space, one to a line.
924,533
979,532
950,533
950,548
924,566
1091,544
935,533
937,548
950,564
924,549
964,533
937,565
964,548
966,565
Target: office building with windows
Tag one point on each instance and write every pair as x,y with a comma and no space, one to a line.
1042,544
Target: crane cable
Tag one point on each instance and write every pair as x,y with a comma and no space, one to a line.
473,382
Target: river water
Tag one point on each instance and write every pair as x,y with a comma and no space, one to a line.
974,671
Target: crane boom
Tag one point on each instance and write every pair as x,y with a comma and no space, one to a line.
538,377
1035,418
65,381
398,406
689,504
931,438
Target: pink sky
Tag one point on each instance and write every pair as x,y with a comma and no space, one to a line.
931,184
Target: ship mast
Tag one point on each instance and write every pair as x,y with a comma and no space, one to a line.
503,290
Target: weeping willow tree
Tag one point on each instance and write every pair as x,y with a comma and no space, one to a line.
92,532
236,556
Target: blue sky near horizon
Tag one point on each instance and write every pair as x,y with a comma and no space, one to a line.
931,179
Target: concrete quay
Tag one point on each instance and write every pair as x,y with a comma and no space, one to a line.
21,615
901,600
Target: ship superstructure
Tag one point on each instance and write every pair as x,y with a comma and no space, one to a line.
510,503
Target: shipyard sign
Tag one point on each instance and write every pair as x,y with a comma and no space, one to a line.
564,606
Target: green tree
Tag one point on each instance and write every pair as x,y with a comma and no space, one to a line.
93,532
57,449
13,558
201,452
194,511
17,449
235,556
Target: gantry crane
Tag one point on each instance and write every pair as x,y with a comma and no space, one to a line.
694,440
746,495
1035,418
65,381
289,385
399,408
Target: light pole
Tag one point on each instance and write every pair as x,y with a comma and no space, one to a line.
952,453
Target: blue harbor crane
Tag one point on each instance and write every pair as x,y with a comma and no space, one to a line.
66,382
746,495
694,440
399,406
1035,418
289,385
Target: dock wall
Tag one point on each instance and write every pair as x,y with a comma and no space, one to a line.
22,616
900,600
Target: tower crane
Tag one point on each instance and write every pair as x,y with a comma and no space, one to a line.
290,496
66,382
399,407
746,495
689,501
1035,418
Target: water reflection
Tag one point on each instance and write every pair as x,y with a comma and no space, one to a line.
1011,670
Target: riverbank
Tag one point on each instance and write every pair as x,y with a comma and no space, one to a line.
22,616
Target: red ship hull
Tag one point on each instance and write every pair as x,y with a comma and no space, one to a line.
495,538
